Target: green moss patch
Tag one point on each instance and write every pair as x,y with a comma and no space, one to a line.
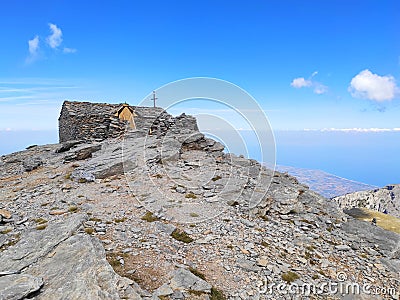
40,221
197,273
190,196
119,220
215,178
217,294
73,209
149,217
41,227
290,277
181,236
89,230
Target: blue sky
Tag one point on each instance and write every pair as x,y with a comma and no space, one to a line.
309,64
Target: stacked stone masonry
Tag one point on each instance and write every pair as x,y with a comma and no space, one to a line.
98,121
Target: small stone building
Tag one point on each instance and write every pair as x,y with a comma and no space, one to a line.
99,121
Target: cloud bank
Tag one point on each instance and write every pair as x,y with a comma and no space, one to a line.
368,85
355,129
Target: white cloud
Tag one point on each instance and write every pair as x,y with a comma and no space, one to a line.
301,82
69,50
372,86
33,45
320,88
355,129
55,39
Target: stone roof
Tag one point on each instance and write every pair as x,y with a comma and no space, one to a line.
90,108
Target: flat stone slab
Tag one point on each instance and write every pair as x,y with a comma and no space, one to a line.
79,270
36,244
185,280
18,286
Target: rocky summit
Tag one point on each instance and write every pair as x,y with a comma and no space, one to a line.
172,216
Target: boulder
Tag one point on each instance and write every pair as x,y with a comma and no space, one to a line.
67,146
83,153
30,164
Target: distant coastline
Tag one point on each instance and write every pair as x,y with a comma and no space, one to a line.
328,185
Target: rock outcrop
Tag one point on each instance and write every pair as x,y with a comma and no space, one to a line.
386,199
57,262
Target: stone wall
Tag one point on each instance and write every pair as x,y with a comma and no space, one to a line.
97,121
165,123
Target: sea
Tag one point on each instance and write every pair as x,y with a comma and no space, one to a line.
368,157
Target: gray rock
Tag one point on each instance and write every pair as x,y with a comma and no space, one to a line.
387,241
208,194
79,270
163,290
194,137
342,247
114,168
216,147
180,189
36,244
177,295
164,227
30,164
325,263
384,199
67,145
83,153
185,280
247,222
247,265
3,240
170,150
18,286
82,176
